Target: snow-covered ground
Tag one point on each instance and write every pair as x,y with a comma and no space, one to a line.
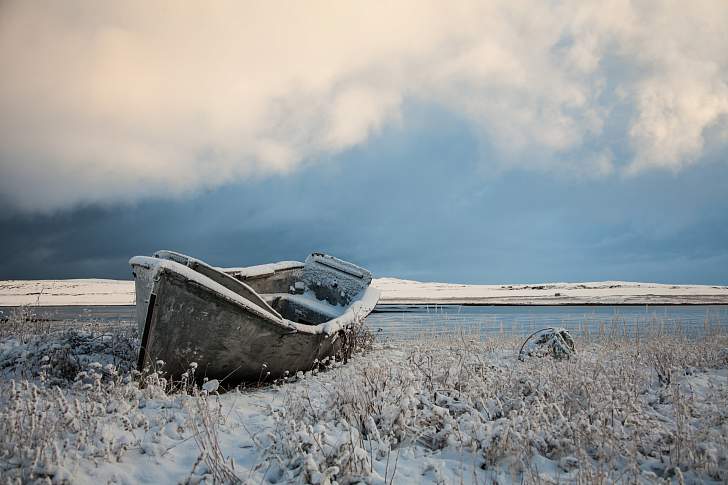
120,292
450,410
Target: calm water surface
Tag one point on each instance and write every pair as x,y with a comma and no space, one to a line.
402,322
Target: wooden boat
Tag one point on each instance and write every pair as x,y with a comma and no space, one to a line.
246,324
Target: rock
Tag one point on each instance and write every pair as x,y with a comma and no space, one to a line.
552,341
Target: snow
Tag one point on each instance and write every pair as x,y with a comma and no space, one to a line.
308,299
334,280
354,313
66,292
211,386
263,269
552,341
397,291
452,409
340,265
448,410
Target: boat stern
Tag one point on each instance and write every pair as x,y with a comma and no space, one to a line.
145,276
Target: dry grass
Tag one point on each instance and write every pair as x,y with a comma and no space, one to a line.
625,408
622,410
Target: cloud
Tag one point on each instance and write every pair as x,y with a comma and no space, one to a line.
113,102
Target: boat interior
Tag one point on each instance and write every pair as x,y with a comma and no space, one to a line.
310,293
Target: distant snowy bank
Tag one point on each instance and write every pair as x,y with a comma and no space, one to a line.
592,293
66,292
397,291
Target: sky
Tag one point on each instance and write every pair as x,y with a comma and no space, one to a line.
492,142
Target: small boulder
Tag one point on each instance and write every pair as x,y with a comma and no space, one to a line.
552,341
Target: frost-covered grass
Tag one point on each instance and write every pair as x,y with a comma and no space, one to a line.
451,409
619,411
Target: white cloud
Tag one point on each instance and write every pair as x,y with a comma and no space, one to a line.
107,102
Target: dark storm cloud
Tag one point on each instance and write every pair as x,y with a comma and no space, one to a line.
416,203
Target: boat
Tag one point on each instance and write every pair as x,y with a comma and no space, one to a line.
253,324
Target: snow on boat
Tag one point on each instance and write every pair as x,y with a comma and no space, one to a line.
246,324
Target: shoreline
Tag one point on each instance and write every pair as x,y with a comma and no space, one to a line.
104,292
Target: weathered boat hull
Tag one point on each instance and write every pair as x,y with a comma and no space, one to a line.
188,318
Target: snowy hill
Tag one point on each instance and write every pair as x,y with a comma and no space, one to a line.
592,293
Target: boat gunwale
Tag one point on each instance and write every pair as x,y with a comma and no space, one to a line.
160,266
365,302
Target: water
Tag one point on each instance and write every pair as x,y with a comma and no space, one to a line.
110,313
403,322
71,316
